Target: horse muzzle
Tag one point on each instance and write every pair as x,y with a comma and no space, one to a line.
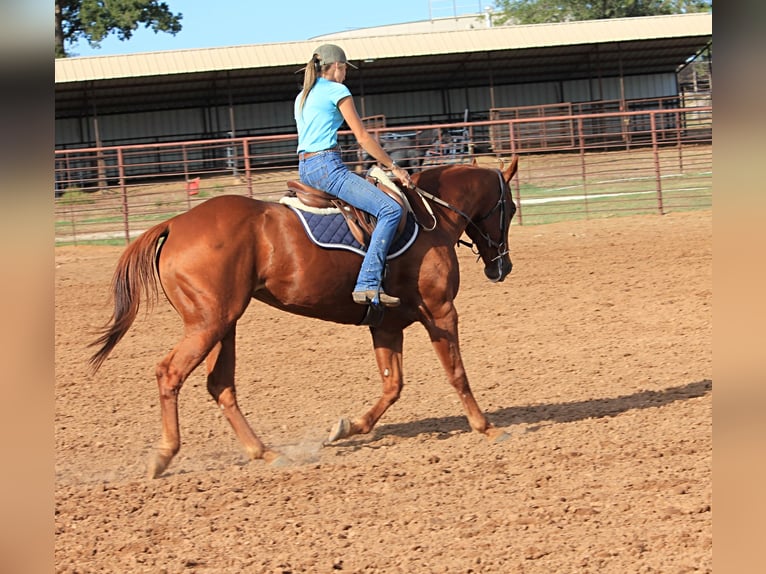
500,270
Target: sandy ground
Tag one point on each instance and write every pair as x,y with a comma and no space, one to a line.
596,355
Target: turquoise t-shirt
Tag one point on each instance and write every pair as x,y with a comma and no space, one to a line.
320,118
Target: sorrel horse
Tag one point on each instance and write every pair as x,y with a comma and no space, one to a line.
213,259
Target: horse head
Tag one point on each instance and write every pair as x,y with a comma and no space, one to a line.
481,197
488,228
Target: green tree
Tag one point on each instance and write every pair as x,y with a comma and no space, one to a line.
94,20
541,11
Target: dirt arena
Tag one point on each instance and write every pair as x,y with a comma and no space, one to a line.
595,353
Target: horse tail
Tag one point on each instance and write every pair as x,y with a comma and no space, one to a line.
136,272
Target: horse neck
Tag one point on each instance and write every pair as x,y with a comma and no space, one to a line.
459,193
454,222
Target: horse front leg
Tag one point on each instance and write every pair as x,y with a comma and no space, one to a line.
443,332
388,354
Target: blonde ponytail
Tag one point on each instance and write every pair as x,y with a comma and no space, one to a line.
313,68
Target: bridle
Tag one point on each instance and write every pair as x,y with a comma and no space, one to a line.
502,248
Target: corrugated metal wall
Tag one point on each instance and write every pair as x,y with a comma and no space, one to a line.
71,132
410,108
144,127
274,117
650,86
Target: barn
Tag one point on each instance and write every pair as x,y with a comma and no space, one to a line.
414,74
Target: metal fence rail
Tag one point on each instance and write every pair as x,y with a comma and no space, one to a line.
593,168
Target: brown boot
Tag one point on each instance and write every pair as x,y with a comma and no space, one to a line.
366,297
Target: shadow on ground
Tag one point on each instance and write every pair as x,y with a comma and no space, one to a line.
555,413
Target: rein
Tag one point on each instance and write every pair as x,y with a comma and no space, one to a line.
501,203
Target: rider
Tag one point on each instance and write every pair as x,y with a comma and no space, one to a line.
320,109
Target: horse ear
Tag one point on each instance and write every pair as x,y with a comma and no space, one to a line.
475,162
511,170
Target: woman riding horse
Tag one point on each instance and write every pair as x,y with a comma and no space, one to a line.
320,109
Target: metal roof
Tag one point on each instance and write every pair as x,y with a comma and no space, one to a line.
388,63
448,24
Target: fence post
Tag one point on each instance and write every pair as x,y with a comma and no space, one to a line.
512,142
186,176
656,153
124,190
678,143
517,187
583,171
246,159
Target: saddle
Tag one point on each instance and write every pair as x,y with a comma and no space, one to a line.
360,223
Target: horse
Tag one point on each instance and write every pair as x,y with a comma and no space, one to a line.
212,260
406,149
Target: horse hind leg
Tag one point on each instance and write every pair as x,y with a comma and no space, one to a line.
171,373
388,354
220,364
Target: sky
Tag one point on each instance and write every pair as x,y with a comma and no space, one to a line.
216,23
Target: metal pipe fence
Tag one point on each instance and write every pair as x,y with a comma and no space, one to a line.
570,167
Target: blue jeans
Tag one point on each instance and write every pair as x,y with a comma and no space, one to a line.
327,172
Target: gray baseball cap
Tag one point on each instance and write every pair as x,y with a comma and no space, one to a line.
330,53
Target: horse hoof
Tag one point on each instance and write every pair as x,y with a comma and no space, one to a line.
158,464
342,429
154,471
